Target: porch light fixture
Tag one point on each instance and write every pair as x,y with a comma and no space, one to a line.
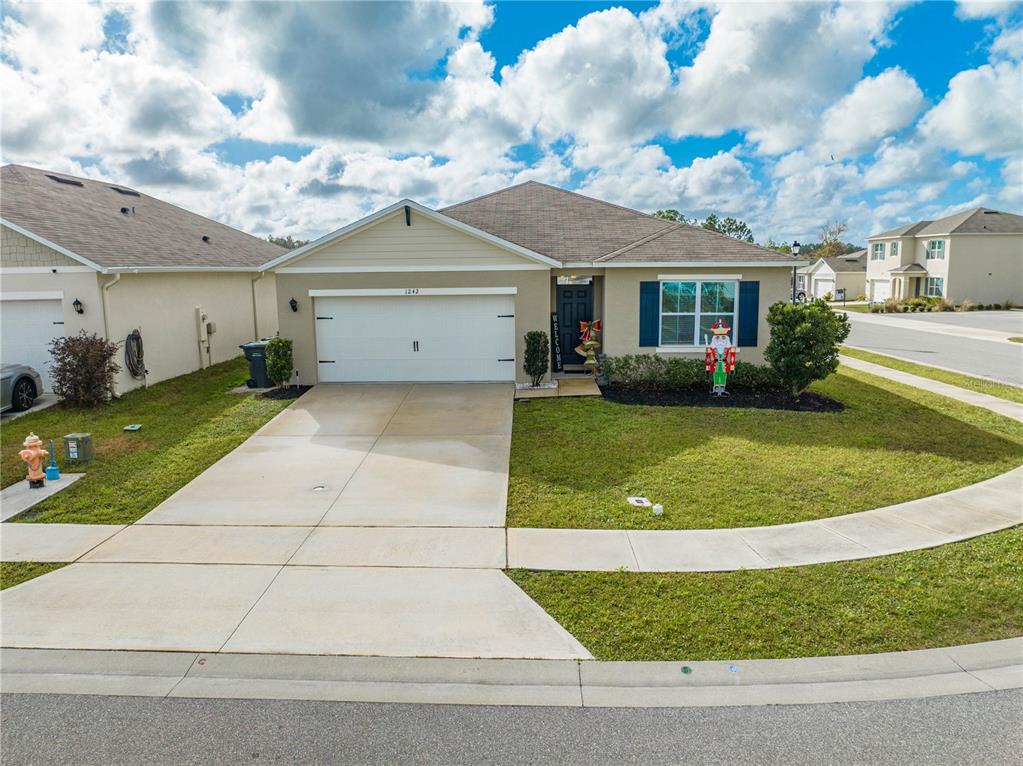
78,307
294,304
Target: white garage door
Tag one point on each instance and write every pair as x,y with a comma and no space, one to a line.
880,290
822,287
28,327
415,338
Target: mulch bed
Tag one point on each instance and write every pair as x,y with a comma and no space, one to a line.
290,392
689,397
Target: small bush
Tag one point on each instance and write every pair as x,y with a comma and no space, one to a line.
967,305
891,305
654,371
538,356
861,297
828,297
1009,304
279,361
804,342
82,369
998,307
943,304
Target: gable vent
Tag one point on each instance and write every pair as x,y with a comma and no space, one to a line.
126,192
68,181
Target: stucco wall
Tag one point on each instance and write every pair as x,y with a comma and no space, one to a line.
266,304
163,307
621,305
532,303
986,268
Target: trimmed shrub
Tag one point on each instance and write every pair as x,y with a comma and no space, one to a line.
654,371
82,369
967,305
804,342
279,361
891,305
538,356
828,297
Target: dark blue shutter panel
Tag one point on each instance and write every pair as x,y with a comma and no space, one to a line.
649,313
749,314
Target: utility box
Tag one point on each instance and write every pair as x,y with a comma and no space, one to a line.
78,448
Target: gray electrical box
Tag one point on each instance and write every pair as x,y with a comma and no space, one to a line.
78,448
211,327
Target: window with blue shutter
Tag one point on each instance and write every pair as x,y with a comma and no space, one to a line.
649,313
749,314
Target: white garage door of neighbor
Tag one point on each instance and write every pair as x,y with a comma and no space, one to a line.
824,286
27,329
881,290
415,338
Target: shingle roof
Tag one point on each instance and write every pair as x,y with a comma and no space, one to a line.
84,216
979,220
848,263
571,227
907,230
908,268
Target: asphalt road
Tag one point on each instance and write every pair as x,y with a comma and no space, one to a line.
1000,361
58,729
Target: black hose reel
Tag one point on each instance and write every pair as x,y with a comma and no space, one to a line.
134,355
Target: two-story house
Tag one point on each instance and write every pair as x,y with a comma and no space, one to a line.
976,254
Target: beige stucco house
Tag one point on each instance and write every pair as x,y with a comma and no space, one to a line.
827,276
410,293
976,254
79,254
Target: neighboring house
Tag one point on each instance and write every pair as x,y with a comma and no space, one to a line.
78,254
976,254
409,293
827,275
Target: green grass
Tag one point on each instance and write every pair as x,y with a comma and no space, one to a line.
14,572
188,423
955,594
1001,390
1016,339
859,308
574,461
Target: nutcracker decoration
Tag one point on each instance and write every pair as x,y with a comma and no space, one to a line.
589,343
719,360
34,455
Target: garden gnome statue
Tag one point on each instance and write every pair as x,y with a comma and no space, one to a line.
34,455
719,359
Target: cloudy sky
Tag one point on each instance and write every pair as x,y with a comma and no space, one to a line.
297,118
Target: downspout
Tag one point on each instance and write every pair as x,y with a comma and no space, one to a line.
255,310
106,312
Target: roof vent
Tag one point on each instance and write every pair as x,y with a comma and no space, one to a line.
205,237
68,181
125,210
991,212
126,192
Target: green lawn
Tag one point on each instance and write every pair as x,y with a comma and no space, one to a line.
1016,339
1001,390
955,594
14,572
188,423
859,308
574,461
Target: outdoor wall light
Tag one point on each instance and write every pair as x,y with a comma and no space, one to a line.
78,307
294,304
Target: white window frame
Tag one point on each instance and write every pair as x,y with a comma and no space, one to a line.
894,249
697,314
937,253
877,251
800,281
938,283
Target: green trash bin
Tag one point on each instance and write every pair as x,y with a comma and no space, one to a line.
78,448
255,355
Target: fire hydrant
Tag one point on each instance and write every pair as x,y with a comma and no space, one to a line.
34,455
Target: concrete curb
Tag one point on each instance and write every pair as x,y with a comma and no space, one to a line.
989,666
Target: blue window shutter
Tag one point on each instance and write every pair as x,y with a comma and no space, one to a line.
749,314
649,313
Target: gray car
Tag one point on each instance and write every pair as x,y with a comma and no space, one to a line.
19,387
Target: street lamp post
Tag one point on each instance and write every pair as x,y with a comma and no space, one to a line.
795,254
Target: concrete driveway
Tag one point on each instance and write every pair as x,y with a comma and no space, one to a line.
433,455
363,519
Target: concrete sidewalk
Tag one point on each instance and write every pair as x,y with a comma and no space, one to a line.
978,509
977,399
973,668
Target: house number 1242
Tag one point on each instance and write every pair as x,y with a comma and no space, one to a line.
411,291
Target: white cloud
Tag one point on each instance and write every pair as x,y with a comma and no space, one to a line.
1009,44
875,108
981,112
984,9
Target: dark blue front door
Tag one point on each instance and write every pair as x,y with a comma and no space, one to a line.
575,305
